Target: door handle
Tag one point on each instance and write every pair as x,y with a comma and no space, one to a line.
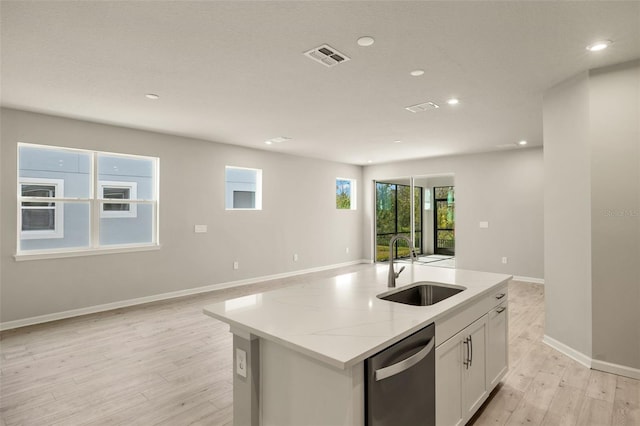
405,364
499,296
501,309
470,350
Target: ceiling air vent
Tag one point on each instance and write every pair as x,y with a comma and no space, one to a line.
326,55
422,107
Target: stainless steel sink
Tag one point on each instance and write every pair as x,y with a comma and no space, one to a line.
421,294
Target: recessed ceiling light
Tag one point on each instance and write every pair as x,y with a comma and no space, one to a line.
453,101
417,73
522,142
369,161
398,141
599,45
366,41
152,96
268,142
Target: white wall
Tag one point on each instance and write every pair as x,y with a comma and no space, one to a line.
614,104
503,188
298,216
592,217
567,214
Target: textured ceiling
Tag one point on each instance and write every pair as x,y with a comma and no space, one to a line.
234,72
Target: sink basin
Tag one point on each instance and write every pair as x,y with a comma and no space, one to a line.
421,294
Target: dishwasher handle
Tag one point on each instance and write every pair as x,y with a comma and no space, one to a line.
405,364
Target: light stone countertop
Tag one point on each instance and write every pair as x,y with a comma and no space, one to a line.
339,320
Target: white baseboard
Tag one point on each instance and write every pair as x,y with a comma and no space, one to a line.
529,279
8,325
568,351
607,367
618,369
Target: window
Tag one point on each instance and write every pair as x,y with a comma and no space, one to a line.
243,188
84,215
444,219
42,218
345,194
118,191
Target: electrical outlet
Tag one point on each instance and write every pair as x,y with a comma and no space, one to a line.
484,225
504,260
236,264
295,257
347,250
200,229
241,363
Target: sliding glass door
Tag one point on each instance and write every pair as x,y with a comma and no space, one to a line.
394,216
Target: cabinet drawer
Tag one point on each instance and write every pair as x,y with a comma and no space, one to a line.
452,324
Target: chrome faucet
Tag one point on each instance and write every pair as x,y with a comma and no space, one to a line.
392,273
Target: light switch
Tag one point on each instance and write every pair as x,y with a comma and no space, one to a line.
484,224
241,363
200,229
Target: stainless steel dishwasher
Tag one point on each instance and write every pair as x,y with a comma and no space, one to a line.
401,382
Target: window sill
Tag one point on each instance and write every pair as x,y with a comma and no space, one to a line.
19,257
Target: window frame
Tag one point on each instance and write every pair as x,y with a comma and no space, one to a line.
95,201
58,227
229,192
353,193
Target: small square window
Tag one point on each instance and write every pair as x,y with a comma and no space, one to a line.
118,191
345,194
243,188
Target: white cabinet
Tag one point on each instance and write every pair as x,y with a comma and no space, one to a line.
474,381
449,382
461,385
471,357
497,345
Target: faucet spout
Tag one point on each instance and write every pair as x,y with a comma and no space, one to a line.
392,273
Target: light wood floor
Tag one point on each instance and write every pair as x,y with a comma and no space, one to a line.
166,363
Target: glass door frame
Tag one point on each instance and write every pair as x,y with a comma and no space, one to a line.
412,217
436,249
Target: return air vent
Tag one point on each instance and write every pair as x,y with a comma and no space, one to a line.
422,107
326,55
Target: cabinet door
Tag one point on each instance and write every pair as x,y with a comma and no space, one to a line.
497,348
449,382
474,374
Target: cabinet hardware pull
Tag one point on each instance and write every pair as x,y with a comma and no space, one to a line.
501,309
405,364
499,296
470,350
466,361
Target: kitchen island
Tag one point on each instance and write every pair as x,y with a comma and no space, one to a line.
299,352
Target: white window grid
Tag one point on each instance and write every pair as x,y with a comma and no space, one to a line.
94,202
